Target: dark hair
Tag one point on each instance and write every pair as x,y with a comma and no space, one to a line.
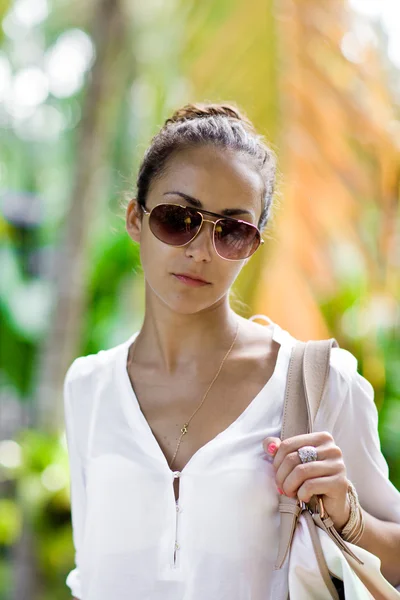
220,125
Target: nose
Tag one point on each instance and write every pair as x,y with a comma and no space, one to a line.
201,247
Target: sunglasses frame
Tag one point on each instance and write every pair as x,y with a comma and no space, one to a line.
202,212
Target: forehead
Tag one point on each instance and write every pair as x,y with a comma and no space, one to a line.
219,178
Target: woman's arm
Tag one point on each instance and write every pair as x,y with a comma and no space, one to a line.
382,538
356,433
77,483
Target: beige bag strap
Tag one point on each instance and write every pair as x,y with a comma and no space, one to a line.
307,376
309,364
319,554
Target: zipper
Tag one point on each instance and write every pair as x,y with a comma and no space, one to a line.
175,563
176,544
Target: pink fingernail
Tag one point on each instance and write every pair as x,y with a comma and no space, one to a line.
279,490
271,448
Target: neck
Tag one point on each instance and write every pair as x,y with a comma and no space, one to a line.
170,343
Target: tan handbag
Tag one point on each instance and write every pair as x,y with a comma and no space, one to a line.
307,377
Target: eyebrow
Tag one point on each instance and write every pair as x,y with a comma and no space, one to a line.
195,202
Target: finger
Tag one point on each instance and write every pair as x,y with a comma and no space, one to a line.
292,461
271,445
327,486
292,444
290,481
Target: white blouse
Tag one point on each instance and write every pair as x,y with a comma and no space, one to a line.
132,540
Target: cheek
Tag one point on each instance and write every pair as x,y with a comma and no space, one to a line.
156,258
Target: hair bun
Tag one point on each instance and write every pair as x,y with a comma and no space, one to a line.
202,110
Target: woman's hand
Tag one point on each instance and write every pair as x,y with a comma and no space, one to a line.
325,476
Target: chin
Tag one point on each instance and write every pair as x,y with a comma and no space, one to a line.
188,301
187,306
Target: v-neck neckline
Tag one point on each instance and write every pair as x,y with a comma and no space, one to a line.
139,423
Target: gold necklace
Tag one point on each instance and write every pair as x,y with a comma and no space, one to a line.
184,429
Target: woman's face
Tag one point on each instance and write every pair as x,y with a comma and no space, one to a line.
219,180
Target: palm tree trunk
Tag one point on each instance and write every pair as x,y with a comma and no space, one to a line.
106,87
107,83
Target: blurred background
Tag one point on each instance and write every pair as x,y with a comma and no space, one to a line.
83,87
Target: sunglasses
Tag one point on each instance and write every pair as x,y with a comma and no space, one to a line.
177,225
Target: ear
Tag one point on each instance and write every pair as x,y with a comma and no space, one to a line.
133,220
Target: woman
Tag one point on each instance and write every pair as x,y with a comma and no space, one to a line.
173,435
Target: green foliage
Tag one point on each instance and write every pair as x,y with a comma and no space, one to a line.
10,522
115,258
42,498
4,6
346,314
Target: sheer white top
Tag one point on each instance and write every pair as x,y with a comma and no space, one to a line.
132,540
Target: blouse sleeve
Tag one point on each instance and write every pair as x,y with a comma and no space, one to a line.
77,488
350,407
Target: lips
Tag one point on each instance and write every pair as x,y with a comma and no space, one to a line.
189,280
189,276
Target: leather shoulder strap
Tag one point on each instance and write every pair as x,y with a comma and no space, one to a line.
315,374
307,376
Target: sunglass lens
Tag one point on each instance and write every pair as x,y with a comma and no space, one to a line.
173,224
235,240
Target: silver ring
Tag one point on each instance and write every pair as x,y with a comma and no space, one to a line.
307,454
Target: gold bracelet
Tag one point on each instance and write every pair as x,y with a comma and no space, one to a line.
353,517
355,526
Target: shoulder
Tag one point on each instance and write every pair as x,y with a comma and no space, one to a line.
93,368
344,372
86,380
348,396
343,365
346,392
84,367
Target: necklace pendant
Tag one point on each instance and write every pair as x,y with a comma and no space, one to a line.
185,428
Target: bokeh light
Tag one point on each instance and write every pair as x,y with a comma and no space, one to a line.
387,12
67,61
10,454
